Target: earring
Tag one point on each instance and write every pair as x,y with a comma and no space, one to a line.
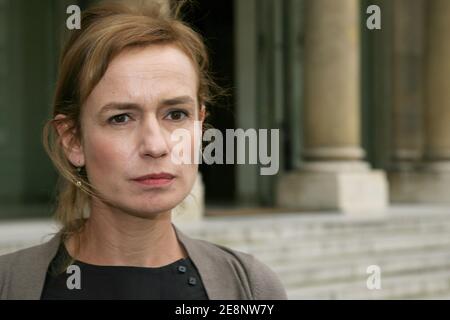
78,182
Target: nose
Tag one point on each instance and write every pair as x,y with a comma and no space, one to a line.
153,140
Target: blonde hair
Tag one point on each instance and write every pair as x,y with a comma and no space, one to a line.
106,30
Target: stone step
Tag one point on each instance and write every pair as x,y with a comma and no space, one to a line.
336,270
418,285
252,230
269,236
276,254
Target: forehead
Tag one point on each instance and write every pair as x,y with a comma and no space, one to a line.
147,73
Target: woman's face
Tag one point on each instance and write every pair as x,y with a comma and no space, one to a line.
127,122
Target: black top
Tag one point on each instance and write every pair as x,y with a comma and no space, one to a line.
175,281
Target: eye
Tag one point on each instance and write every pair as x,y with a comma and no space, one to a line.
119,119
177,115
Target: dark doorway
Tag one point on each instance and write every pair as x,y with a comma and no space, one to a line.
214,21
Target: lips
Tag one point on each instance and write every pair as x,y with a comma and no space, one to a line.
162,175
155,179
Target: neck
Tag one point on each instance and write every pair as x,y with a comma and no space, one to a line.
119,239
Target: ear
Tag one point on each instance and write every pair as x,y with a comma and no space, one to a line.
71,145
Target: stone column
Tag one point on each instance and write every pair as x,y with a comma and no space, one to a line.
408,97
431,181
408,93
437,111
332,115
334,176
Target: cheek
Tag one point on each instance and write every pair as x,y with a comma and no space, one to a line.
105,156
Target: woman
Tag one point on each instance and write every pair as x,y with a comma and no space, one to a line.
127,80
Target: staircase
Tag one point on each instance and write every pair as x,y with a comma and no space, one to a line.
324,256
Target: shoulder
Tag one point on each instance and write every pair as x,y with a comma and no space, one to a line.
263,282
5,266
20,270
29,254
8,261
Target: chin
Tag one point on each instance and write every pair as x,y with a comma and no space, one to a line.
148,209
146,213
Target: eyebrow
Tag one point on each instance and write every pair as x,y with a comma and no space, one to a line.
134,106
177,101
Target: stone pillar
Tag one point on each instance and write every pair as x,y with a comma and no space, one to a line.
431,182
334,176
332,115
437,111
408,97
408,93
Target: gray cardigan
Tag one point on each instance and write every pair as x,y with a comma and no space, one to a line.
226,274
